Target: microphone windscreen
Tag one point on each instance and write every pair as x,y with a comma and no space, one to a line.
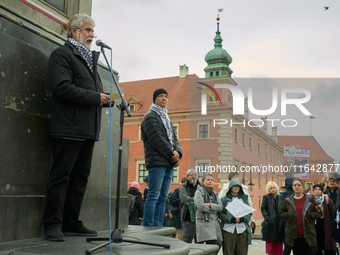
98,42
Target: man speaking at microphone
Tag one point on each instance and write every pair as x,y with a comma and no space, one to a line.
77,101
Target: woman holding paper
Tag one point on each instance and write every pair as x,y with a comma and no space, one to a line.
234,224
301,210
207,205
273,226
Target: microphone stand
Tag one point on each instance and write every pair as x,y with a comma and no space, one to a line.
116,234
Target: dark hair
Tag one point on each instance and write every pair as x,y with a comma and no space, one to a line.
232,174
334,179
298,179
205,177
319,185
184,179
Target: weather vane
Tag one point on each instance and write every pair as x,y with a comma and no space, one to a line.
218,15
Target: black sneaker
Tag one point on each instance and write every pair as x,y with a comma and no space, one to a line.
83,231
55,235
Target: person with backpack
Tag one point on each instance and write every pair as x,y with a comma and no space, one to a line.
136,204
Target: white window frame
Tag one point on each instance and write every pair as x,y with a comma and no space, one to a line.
139,162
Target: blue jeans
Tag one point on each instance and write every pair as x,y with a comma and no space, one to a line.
159,185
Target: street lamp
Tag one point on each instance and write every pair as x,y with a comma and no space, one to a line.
251,186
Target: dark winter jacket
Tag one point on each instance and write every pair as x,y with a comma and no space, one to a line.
76,110
226,217
157,148
332,195
327,234
335,197
138,207
289,188
273,226
336,226
186,195
311,211
176,202
145,193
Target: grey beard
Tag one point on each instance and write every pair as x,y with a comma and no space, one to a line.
192,181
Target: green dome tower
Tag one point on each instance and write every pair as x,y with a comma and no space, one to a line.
218,59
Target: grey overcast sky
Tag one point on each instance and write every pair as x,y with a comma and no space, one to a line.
265,38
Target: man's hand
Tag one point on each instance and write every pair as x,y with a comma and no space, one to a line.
208,204
175,156
177,164
104,99
324,179
238,220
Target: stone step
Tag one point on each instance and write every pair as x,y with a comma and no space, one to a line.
78,245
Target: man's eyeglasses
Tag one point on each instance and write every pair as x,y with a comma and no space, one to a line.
192,174
283,187
297,185
89,31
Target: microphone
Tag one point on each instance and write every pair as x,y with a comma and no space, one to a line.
103,45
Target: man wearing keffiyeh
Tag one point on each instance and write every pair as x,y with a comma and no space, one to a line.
77,101
162,152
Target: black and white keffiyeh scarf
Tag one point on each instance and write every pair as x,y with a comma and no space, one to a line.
320,199
84,53
163,113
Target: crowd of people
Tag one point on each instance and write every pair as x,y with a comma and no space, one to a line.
295,219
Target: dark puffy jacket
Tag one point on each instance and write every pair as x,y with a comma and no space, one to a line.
157,148
76,110
138,207
311,211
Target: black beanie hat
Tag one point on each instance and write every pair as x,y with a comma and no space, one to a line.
319,185
157,92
